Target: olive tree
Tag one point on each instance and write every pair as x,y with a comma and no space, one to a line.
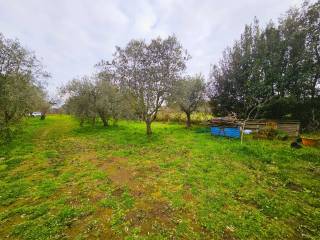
81,95
91,97
148,72
189,93
110,101
45,105
20,88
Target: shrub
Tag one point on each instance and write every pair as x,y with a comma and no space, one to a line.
282,135
271,133
265,133
172,115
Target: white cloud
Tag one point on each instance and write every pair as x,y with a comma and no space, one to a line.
72,35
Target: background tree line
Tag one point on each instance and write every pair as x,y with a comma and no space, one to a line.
278,65
21,85
135,84
270,72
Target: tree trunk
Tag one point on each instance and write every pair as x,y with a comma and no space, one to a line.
6,118
188,123
81,122
93,121
6,129
148,124
104,120
6,133
242,130
115,122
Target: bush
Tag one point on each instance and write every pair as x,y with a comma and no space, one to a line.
5,134
172,115
282,135
265,133
271,133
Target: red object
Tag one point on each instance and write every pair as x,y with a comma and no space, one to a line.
309,141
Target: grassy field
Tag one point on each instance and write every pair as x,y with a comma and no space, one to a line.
60,181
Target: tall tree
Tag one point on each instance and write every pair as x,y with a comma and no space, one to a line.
280,62
311,19
147,72
20,85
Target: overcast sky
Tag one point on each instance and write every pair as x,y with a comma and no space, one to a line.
70,36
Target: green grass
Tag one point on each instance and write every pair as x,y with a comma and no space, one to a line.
60,181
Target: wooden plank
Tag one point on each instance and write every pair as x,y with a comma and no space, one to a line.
292,127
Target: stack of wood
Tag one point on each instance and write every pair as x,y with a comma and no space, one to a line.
290,126
228,121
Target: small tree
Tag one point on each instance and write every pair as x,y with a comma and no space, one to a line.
253,107
99,96
42,102
189,93
109,100
81,98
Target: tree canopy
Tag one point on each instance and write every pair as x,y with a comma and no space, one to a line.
20,86
280,60
147,72
188,93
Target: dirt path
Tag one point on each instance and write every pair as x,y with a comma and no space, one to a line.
105,196
122,179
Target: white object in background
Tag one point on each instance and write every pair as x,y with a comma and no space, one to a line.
36,114
247,131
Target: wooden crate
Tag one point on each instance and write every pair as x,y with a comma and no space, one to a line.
292,128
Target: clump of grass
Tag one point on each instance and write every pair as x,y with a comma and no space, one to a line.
46,188
11,192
